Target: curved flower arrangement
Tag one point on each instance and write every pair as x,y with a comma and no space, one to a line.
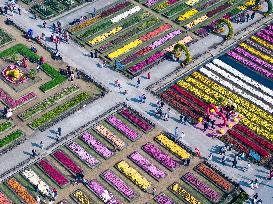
126,14
4,199
147,166
100,191
160,156
133,175
122,127
172,146
163,199
119,184
13,74
21,191
97,146
115,140
184,41
87,158
181,192
53,173
211,194
81,197
35,180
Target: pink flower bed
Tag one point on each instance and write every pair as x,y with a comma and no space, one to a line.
160,156
136,120
119,184
147,166
163,199
122,127
201,187
4,199
12,103
53,173
96,145
265,37
150,3
102,192
67,162
90,160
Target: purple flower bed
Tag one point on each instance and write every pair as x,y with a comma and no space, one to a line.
160,156
165,38
150,3
163,199
201,187
147,166
265,37
53,173
259,47
270,27
119,184
206,5
136,120
83,155
67,162
268,32
102,192
96,145
250,64
122,127
257,60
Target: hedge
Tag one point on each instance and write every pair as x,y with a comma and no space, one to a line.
5,125
11,137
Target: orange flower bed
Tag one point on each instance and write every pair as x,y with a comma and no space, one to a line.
215,177
4,199
84,24
21,191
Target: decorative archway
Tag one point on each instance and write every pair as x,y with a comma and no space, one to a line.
269,3
178,48
229,25
218,112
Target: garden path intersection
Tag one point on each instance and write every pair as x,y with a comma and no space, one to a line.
79,57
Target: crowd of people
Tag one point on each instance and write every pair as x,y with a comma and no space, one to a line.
243,17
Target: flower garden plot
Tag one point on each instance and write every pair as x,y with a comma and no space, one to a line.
80,197
163,199
4,38
4,199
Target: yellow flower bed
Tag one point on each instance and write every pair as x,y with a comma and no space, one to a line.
187,14
247,4
124,49
105,35
81,197
262,42
133,175
172,146
196,21
84,24
256,52
191,2
177,188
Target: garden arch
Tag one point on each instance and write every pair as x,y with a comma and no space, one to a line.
218,112
269,3
229,25
178,48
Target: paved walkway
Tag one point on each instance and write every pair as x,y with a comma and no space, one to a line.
78,57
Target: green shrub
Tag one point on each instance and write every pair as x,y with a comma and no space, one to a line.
5,125
11,137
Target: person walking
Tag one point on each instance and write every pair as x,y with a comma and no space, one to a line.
181,117
38,199
175,132
185,120
234,163
19,10
143,98
34,154
41,145
224,159
255,197
125,93
252,16
251,184
210,157
138,82
206,126
247,167
256,183
44,24
182,135
149,75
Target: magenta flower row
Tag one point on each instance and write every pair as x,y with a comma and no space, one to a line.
147,166
53,173
160,156
202,187
119,184
90,160
96,145
150,3
165,38
163,199
122,127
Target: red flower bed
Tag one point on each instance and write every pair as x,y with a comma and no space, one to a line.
155,32
252,135
236,144
188,95
249,143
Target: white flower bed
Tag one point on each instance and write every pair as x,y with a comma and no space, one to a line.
35,180
242,76
125,14
235,89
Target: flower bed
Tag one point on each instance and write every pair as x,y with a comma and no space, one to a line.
165,4
160,156
209,193
5,126
41,106
262,42
104,36
259,47
67,162
10,138
50,115
136,120
80,197
113,139
4,38
122,127
196,21
237,145
35,180
102,193
265,37
80,152
125,15
133,175
178,190
53,173
172,146
96,145
147,165
21,191
119,184
214,177
13,74
12,103
176,10
4,199
163,199
187,15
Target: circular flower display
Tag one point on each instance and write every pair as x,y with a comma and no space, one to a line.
13,74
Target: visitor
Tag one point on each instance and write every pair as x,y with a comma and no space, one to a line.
243,156
138,82
34,154
181,117
38,199
42,60
154,191
212,124
9,114
44,24
41,145
259,201
19,10
143,98
182,135
72,76
206,125
197,152
91,54
210,157
125,93
251,184
34,16
252,16
78,73
255,197
185,120
96,54
247,167
234,163
148,75
55,193
224,159
5,111
255,183
175,132
165,117
54,27
59,131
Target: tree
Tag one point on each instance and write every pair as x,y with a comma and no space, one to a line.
178,48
